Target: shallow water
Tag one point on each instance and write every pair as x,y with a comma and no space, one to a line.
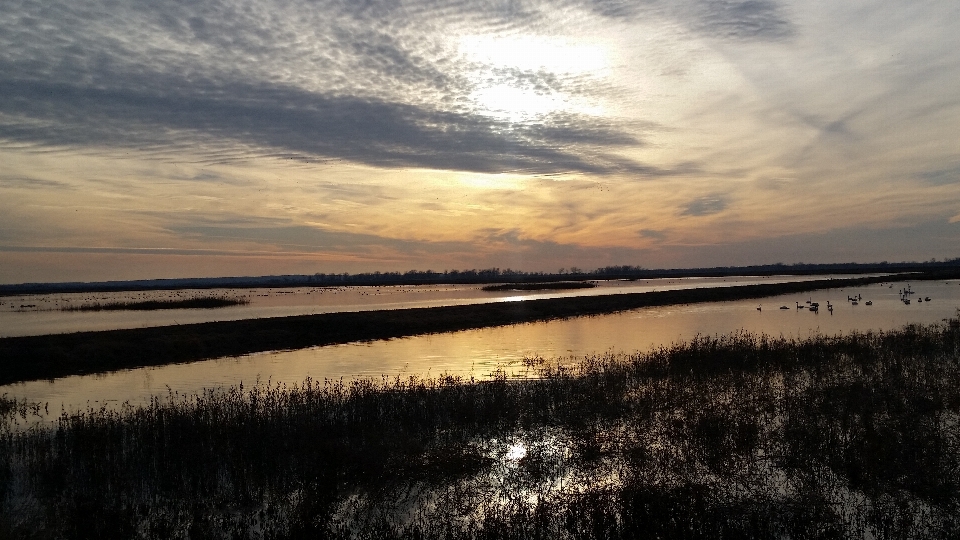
478,353
43,313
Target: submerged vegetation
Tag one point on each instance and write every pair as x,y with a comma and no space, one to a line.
202,302
558,285
733,436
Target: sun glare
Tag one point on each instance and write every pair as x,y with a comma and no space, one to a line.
508,68
490,181
535,53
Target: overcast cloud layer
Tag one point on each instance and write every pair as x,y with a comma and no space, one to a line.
169,138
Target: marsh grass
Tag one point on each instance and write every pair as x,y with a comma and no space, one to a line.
203,302
732,436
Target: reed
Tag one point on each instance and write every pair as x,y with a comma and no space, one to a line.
738,435
202,302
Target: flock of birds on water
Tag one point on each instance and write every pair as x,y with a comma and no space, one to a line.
905,297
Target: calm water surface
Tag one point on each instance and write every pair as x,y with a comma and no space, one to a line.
44,313
478,353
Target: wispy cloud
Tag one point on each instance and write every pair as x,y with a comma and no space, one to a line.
704,206
378,83
23,182
456,131
372,132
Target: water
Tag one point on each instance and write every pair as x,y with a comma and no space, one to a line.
43,314
478,353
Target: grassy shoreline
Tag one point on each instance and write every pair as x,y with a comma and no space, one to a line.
738,436
50,356
203,302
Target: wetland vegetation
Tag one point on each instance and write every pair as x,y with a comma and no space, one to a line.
202,302
734,436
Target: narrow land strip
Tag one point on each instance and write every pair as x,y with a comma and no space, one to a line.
58,355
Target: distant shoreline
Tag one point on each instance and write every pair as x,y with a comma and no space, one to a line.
472,277
50,356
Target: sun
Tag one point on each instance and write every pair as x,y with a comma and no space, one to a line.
507,70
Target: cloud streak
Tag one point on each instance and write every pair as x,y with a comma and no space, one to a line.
378,83
506,133
285,119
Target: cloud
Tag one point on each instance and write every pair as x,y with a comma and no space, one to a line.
128,250
941,177
847,244
764,20
743,19
373,82
279,118
23,182
704,206
653,234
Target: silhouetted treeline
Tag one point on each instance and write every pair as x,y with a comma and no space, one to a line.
474,276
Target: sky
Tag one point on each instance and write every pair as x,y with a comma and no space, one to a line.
176,138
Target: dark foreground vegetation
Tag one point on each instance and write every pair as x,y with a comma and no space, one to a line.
203,302
45,357
740,436
550,286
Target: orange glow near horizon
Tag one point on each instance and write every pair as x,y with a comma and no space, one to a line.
438,138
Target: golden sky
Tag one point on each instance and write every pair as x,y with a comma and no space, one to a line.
165,138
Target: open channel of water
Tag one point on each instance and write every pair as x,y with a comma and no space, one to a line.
42,314
479,353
